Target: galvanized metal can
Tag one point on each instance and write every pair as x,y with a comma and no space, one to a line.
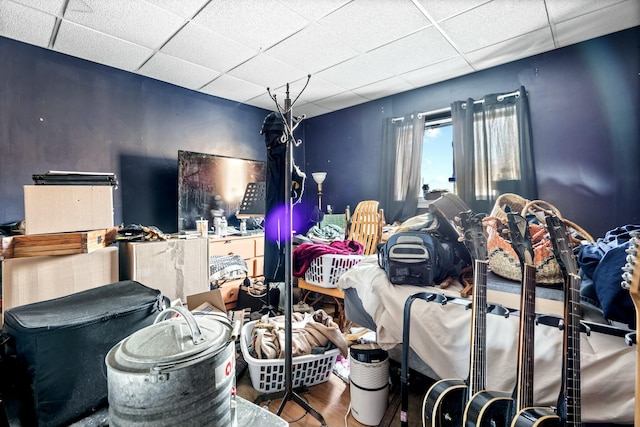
178,371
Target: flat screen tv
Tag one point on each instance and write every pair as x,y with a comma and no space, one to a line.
211,184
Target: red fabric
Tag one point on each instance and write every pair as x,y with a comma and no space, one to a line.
306,252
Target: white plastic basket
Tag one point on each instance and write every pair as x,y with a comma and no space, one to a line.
325,270
267,375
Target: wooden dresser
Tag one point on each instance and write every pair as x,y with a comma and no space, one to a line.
250,248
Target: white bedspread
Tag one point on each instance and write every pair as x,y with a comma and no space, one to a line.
440,336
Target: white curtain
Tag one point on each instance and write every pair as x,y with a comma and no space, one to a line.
400,179
493,149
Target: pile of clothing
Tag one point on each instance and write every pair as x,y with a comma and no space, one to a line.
312,333
601,265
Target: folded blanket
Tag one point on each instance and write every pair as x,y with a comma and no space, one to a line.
305,253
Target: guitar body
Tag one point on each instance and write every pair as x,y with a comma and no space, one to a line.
488,408
444,403
537,417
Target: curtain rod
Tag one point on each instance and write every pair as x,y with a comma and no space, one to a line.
464,105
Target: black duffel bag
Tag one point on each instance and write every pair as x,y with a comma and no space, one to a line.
54,350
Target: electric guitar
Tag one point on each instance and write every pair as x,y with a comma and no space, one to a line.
489,408
568,412
631,281
445,401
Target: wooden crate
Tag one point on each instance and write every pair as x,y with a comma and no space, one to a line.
81,242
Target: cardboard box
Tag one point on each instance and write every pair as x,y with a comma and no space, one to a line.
80,242
63,208
213,301
206,300
177,267
34,279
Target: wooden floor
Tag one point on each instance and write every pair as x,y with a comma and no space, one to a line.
332,398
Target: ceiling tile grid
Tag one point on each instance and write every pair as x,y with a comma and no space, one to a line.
355,50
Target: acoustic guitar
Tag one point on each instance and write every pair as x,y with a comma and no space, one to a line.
567,412
489,408
631,281
445,401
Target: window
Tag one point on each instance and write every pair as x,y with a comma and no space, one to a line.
437,169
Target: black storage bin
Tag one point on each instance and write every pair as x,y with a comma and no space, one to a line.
59,347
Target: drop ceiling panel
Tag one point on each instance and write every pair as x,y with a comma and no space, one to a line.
495,22
312,49
98,47
201,46
181,73
366,27
52,7
266,71
133,20
418,50
621,16
314,10
444,9
562,10
183,8
340,101
380,89
317,88
257,24
356,72
229,87
310,110
23,23
435,73
512,49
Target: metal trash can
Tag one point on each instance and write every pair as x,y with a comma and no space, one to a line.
178,371
369,378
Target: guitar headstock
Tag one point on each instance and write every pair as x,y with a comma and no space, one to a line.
472,233
560,239
520,237
631,270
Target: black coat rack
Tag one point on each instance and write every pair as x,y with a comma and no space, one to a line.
286,235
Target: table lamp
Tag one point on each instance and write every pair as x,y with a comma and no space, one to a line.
319,178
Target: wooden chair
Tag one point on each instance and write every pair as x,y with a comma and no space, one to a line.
365,225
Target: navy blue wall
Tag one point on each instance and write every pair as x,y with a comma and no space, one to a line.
584,102
63,113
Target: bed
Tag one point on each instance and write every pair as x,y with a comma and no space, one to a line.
439,340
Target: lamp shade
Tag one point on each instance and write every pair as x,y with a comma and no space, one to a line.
319,177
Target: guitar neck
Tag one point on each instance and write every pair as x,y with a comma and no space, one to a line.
523,394
631,277
478,356
569,403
